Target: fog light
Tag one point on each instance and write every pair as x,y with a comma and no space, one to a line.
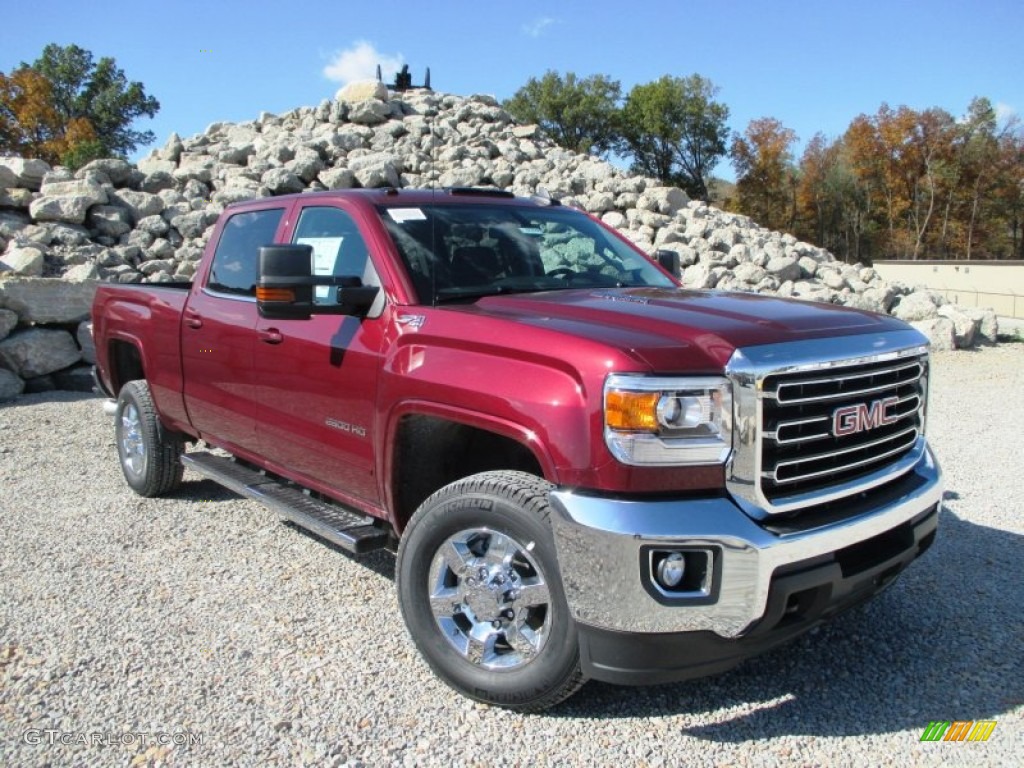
671,570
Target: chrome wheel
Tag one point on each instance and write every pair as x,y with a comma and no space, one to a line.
489,597
149,454
133,448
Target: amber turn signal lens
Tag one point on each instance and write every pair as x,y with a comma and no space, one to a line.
632,411
275,294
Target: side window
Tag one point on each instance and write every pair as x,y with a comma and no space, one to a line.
235,264
338,246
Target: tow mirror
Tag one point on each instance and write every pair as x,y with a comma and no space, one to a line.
285,286
669,261
286,282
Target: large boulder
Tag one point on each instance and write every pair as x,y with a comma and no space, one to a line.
306,164
919,305
362,90
85,342
67,200
38,351
120,172
16,198
138,204
337,178
22,172
47,299
369,112
784,268
965,327
8,322
940,332
109,220
77,379
26,261
11,385
666,200
281,181
151,166
377,169
987,331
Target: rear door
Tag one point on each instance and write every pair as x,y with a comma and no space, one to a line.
217,335
315,380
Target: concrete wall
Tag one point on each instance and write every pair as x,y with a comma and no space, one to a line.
995,284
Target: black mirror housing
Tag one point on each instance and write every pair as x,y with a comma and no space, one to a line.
285,286
669,261
284,290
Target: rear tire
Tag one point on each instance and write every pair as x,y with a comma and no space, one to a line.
150,456
480,592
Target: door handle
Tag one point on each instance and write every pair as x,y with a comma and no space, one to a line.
193,319
270,335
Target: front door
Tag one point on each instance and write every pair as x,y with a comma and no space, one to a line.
316,380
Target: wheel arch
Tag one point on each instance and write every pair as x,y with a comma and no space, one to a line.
125,362
430,446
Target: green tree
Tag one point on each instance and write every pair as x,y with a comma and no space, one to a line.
675,130
579,114
99,93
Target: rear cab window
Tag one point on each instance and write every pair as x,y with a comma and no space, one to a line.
236,261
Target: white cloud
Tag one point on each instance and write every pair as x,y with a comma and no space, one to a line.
1004,112
538,27
360,63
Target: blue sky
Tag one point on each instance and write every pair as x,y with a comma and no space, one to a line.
812,65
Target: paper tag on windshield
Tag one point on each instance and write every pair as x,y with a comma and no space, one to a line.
402,215
325,256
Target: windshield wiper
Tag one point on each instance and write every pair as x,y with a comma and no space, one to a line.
466,294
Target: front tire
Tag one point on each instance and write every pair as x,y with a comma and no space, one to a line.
150,456
480,592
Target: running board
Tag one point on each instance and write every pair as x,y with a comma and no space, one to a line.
349,530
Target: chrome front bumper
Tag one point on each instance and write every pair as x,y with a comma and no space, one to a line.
601,541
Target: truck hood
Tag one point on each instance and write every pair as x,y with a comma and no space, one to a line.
675,329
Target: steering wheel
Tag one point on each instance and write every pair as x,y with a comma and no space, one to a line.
566,272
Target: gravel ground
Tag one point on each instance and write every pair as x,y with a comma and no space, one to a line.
202,617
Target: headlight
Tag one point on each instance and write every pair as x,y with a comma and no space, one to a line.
661,421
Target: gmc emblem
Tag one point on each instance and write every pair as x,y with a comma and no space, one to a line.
851,419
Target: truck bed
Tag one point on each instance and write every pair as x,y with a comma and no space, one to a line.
147,318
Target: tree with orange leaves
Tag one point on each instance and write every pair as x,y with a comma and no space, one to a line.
67,108
29,122
766,176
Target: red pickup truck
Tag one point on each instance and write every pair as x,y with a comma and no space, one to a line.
586,470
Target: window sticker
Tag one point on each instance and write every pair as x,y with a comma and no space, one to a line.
402,215
325,256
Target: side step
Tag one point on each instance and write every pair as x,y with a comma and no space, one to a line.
349,530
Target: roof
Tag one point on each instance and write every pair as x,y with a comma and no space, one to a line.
389,196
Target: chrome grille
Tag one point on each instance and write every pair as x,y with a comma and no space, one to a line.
821,429
786,456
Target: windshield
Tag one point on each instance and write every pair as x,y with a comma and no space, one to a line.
463,252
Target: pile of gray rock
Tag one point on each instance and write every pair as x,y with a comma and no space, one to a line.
149,222
45,336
